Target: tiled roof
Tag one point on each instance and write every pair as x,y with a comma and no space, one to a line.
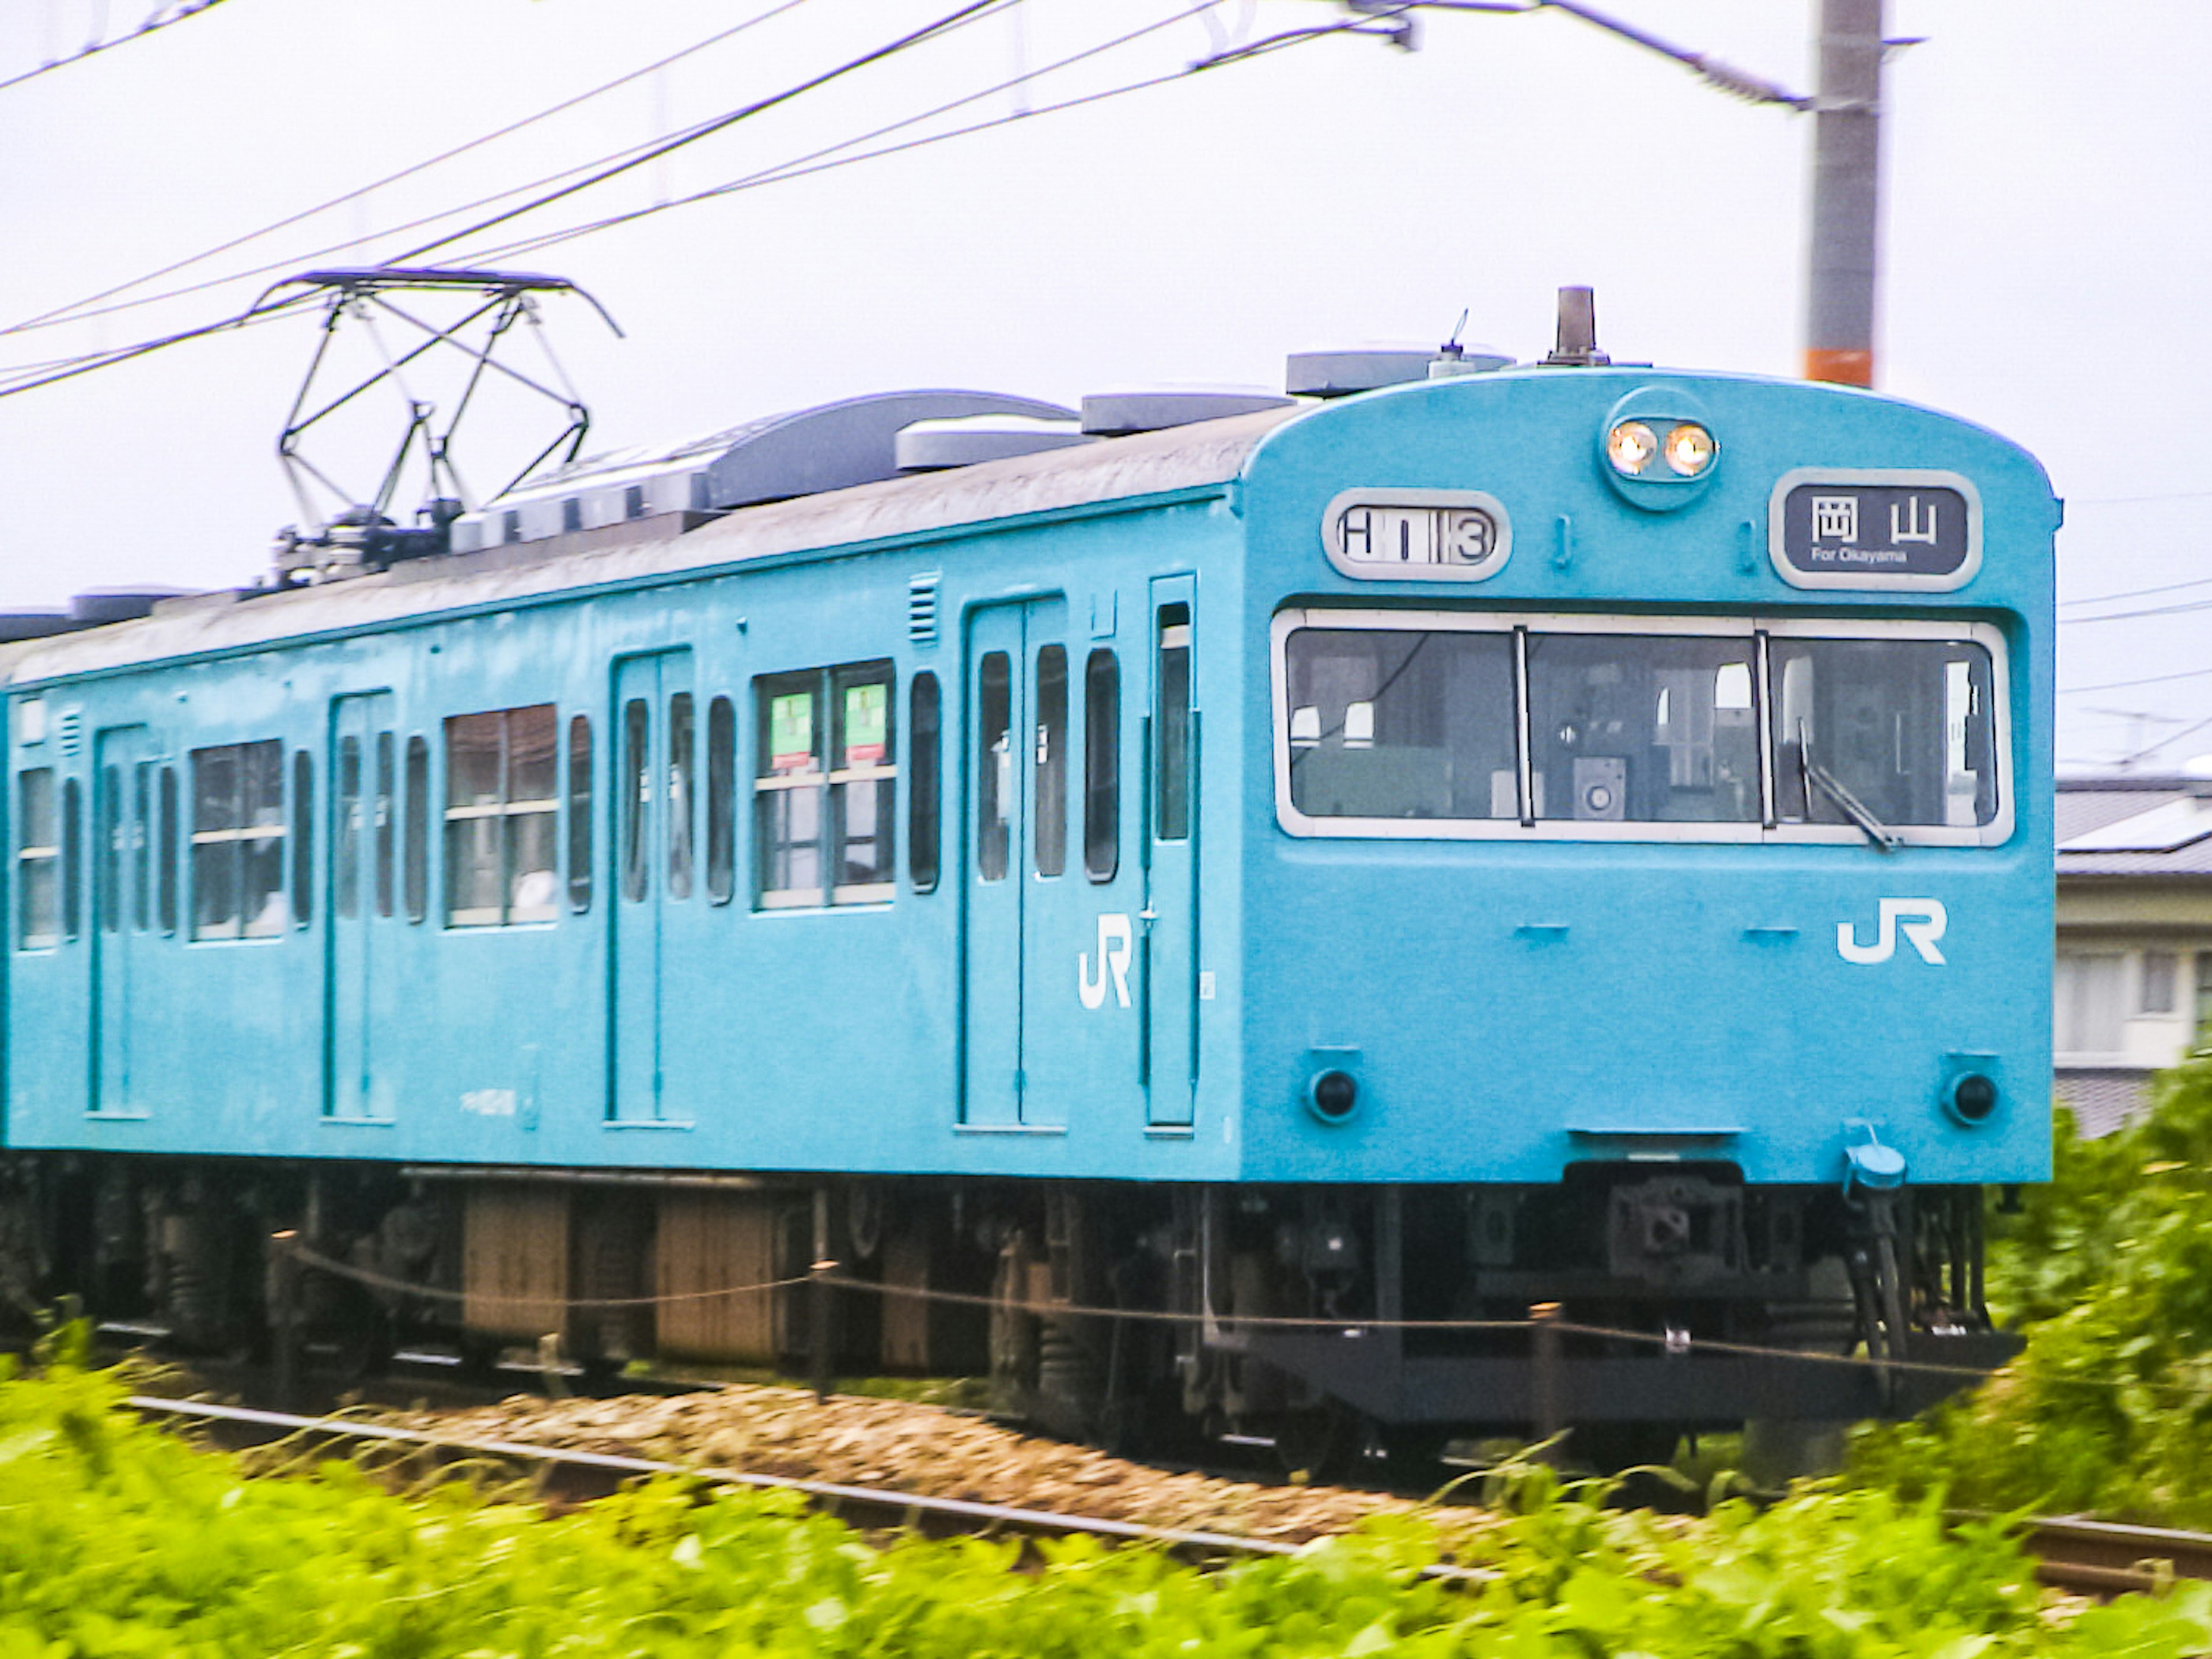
2135,826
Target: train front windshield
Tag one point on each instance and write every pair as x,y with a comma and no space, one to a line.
1480,725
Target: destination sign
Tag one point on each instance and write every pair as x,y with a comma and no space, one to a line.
1416,534
1875,529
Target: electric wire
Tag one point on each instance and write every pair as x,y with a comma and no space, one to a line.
77,311
2170,739
2148,611
2126,685
153,24
2139,593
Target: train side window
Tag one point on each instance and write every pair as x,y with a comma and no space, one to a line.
636,786
1172,817
171,822
238,841
345,832
72,858
1051,828
1102,766
303,840
501,808
995,765
415,847
107,836
386,818
787,789
580,814
142,847
923,797
863,781
722,801
38,861
680,722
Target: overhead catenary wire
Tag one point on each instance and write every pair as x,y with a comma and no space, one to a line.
2139,593
155,23
79,310
2128,686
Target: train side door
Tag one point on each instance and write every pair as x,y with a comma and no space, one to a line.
363,773
999,855
123,911
652,848
1167,941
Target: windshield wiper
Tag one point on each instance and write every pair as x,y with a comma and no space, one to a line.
1850,805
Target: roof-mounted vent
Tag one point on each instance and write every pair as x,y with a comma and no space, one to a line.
1119,414
933,446
98,606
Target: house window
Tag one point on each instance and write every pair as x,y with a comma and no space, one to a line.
500,813
2089,1002
238,841
2160,969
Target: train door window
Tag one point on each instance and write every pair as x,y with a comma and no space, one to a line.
1173,811
636,785
238,842
924,789
1643,729
107,835
680,745
1903,726
1051,828
386,818
171,823
72,858
38,860
303,838
863,782
1102,766
142,847
995,765
722,801
788,791
580,814
501,808
345,835
414,842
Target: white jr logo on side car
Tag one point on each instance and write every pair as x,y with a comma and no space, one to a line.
1115,943
1920,921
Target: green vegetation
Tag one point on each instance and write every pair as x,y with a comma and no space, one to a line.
117,1538
2110,1407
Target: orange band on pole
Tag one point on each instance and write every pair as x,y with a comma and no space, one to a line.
1839,367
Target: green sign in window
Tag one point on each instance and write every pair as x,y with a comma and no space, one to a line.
791,732
867,715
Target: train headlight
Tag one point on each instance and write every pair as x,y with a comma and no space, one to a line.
1334,1094
1689,449
1631,447
1972,1098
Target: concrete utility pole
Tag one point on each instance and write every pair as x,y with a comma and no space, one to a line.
1839,288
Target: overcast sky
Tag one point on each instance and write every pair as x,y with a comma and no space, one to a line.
2045,260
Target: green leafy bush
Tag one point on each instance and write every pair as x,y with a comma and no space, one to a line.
2109,1267
117,1538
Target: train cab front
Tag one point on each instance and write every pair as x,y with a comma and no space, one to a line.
1647,927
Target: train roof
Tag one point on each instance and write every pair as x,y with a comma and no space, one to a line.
1202,455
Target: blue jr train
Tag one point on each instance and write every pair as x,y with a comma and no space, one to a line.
1207,911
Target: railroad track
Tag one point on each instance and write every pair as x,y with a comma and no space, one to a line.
2100,1558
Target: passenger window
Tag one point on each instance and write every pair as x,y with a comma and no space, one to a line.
414,850
787,789
72,858
1173,813
636,784
680,719
386,818
1102,766
580,814
995,765
238,841
1050,831
38,861
862,784
303,840
500,809
142,847
345,848
171,823
923,796
107,835
722,801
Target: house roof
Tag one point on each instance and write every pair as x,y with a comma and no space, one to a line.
2135,826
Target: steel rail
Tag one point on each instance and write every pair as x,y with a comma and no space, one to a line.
2104,1558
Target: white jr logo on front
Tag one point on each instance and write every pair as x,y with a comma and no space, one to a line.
1115,943
1920,921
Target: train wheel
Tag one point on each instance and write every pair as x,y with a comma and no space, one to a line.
1317,1443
